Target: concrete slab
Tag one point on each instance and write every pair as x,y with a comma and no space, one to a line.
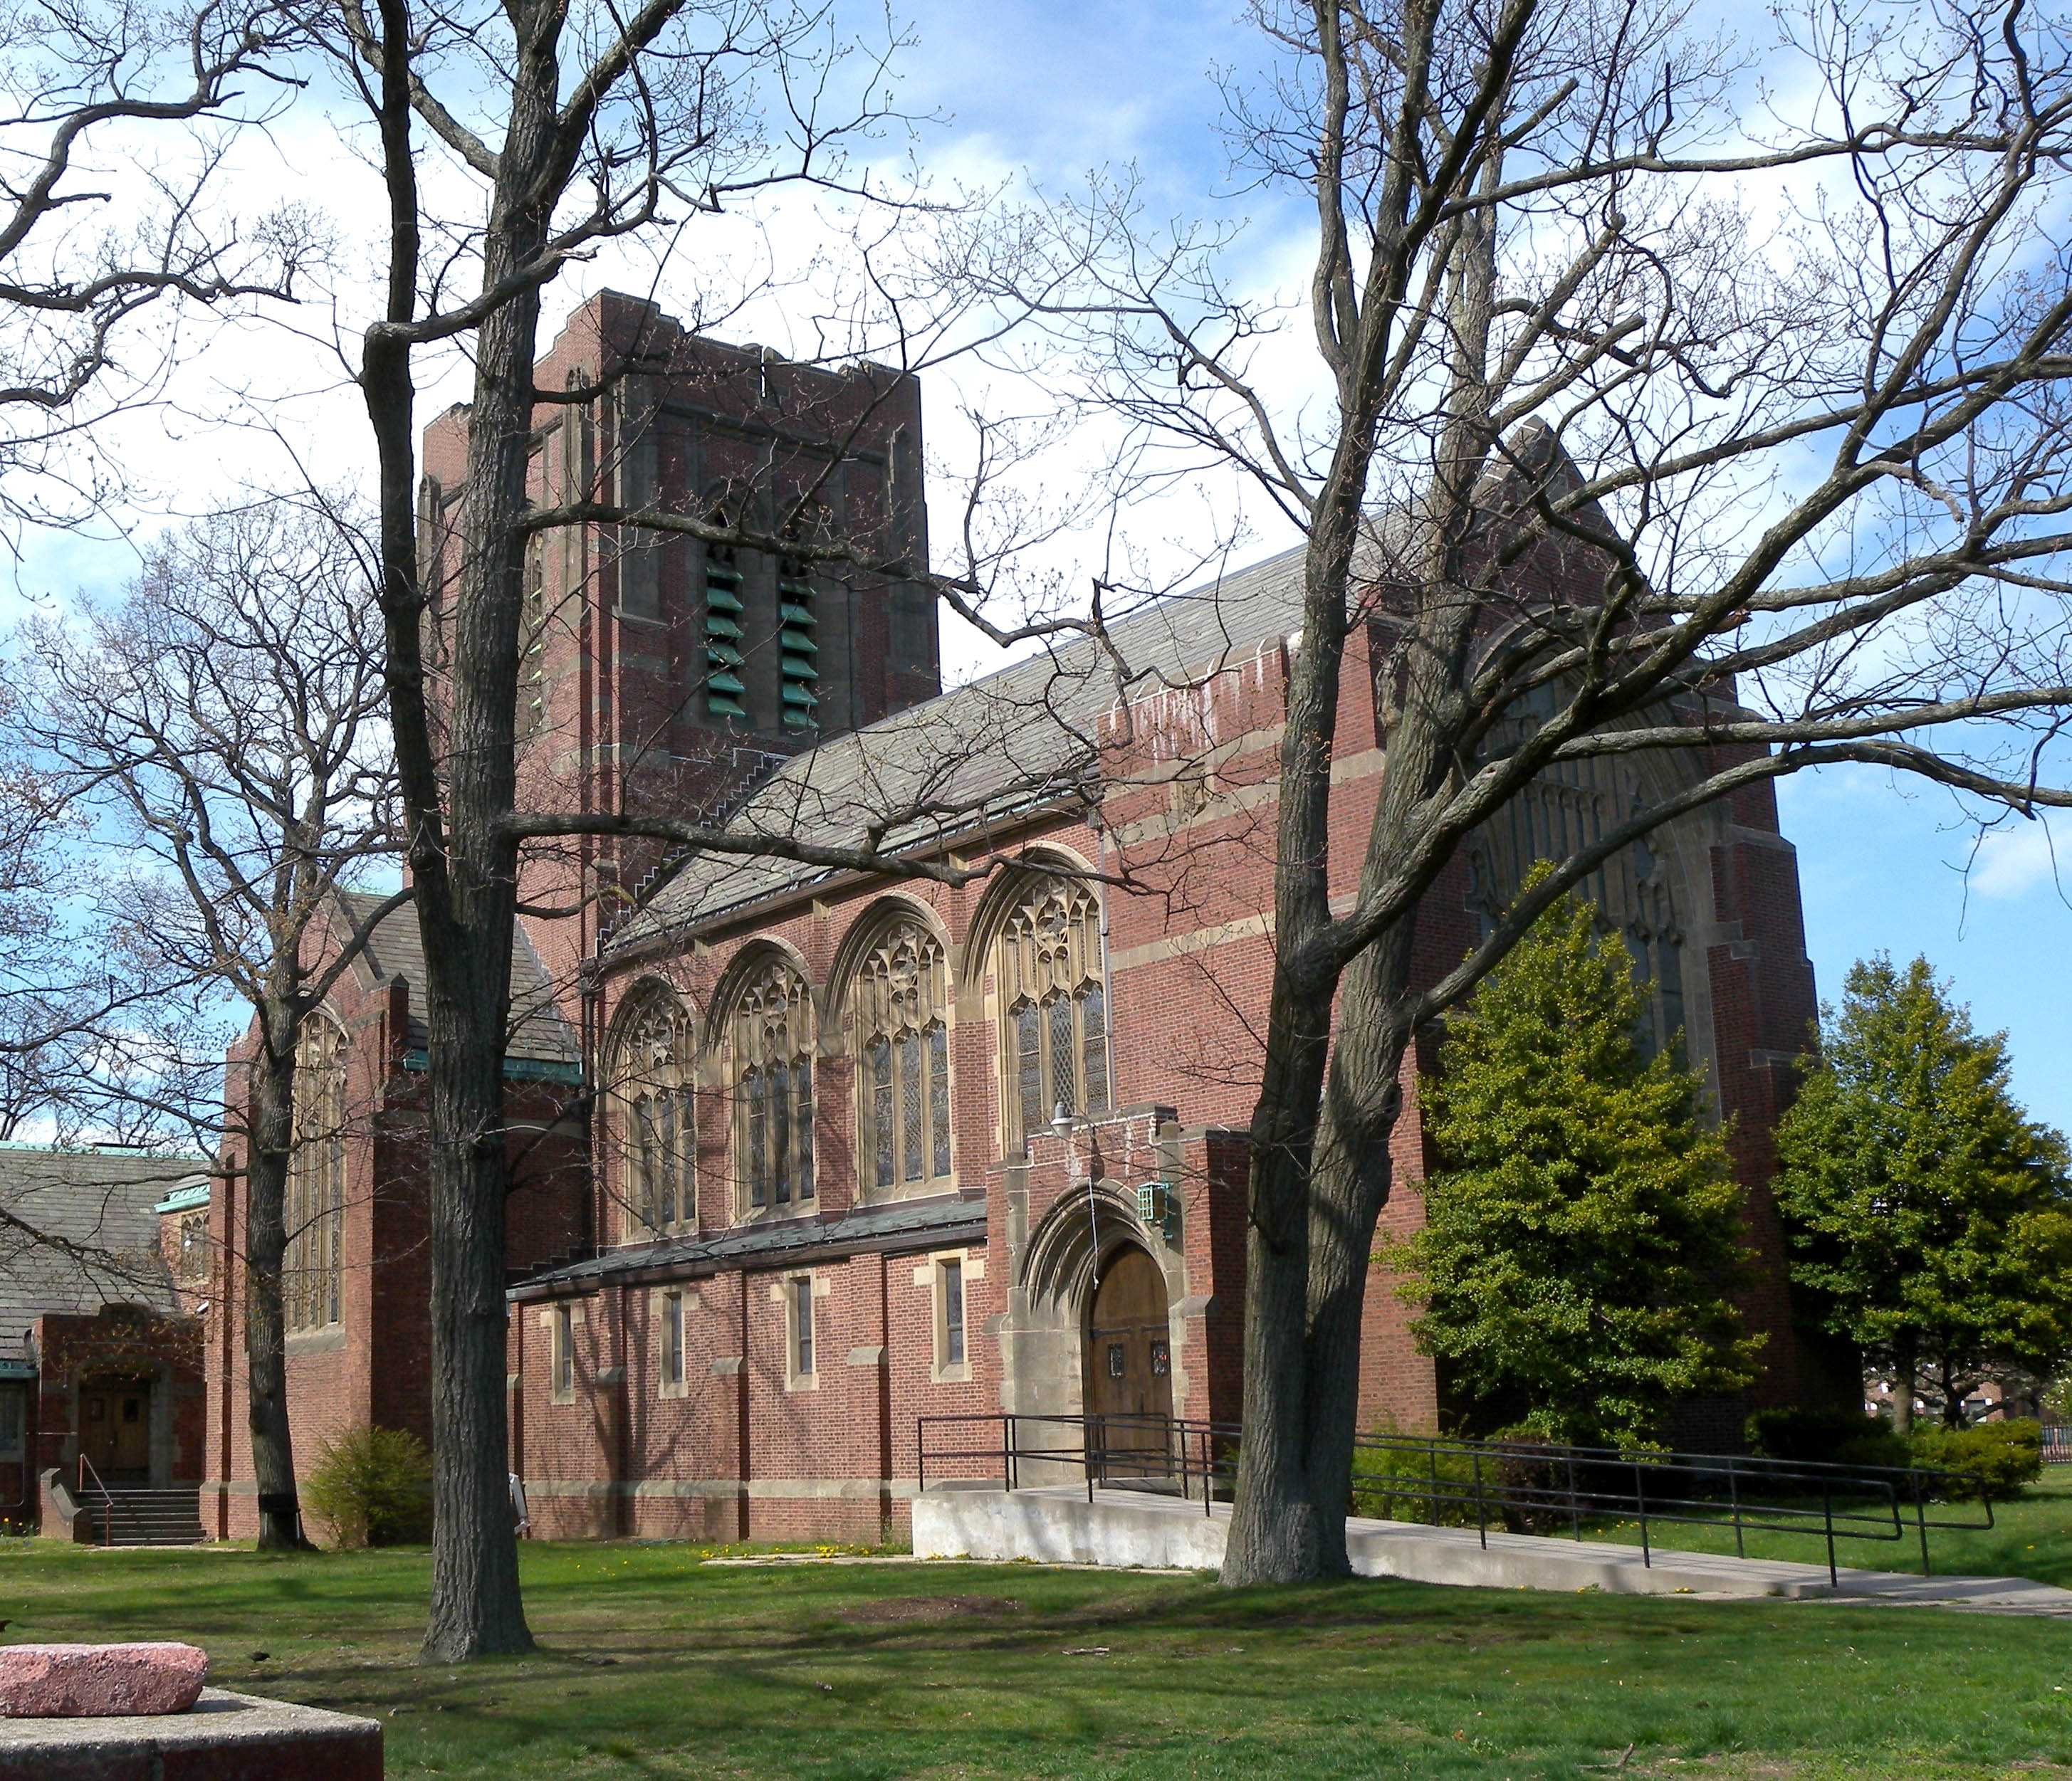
223,1737
1059,1525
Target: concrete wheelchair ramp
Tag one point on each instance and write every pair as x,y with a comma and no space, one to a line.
1060,1525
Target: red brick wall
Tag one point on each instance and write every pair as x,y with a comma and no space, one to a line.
374,1366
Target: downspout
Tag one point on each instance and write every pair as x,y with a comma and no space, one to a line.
226,1300
1108,980
623,1464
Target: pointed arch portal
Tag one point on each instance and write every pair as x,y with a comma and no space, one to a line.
1129,1363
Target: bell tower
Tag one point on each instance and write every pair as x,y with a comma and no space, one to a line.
662,676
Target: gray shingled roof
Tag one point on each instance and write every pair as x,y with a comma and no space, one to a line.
918,1224
538,1032
1017,738
77,1231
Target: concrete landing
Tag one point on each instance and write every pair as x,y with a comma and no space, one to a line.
223,1737
1058,1525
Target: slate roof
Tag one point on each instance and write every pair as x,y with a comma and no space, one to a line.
1013,740
78,1230
920,1224
538,1032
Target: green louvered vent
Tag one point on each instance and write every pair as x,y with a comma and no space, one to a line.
798,648
723,686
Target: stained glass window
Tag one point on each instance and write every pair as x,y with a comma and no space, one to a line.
652,1073
1052,986
313,1266
904,1103
774,1036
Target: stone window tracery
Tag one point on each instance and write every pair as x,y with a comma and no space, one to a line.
902,1007
312,1267
652,1080
773,1063
1053,1003
1637,892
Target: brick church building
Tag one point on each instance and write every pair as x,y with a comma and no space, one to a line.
804,1156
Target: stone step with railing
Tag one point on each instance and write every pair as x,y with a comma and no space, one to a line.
139,1515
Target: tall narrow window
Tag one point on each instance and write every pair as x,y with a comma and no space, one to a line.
11,1422
1054,1000
952,1283
802,1326
194,1246
313,1269
653,1063
672,1340
563,1356
773,1062
902,1007
532,709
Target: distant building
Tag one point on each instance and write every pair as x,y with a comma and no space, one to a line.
100,1341
802,1156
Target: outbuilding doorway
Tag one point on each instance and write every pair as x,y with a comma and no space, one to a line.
115,1429
1130,1367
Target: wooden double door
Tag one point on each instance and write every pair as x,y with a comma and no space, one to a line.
115,1429
1130,1367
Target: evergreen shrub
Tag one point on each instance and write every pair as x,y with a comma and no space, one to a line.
1833,1438
1399,1483
372,1487
1997,1458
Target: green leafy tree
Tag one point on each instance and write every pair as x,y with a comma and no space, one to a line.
1583,1239
1930,1218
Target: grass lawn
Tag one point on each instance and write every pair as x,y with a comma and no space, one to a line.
2031,1537
654,1664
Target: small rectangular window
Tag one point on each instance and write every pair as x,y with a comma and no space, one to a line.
11,1422
564,1352
952,1273
802,1326
672,1339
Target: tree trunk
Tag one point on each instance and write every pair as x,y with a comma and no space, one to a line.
1349,1187
271,1146
1275,1533
1953,1396
468,916
1902,1394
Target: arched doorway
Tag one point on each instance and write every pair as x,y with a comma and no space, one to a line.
1129,1366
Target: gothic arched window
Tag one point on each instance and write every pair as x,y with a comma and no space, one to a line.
313,1270
1054,1004
773,1073
902,1051
1639,892
652,1073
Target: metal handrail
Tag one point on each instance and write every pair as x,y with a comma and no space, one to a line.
107,1504
1532,1479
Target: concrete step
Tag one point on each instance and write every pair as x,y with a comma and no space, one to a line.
1059,1525
141,1517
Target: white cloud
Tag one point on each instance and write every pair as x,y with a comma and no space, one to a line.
2012,862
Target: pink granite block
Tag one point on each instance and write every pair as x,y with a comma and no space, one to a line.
99,1681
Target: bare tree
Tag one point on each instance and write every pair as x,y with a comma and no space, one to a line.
1647,430
222,724
107,233
573,126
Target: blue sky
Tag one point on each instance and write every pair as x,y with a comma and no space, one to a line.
1059,88
1052,91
